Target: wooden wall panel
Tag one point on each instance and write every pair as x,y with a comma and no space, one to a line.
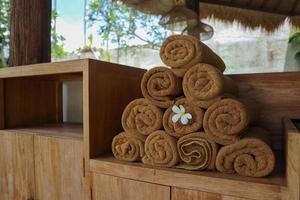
16,166
293,160
277,95
110,88
59,168
2,109
113,188
185,194
31,102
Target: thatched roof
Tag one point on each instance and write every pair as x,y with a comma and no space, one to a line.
267,14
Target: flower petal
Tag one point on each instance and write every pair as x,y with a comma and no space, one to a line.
188,115
175,118
182,109
184,120
176,109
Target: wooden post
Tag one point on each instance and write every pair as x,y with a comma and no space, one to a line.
30,40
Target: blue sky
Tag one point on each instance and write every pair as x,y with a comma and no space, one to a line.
70,22
70,10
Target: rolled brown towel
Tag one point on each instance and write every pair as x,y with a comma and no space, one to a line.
197,151
183,51
142,117
226,119
204,82
205,104
160,150
128,146
251,156
178,129
161,86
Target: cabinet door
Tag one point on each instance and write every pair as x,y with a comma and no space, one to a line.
185,194
106,187
59,168
16,166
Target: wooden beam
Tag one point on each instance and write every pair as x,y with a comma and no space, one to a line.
278,3
294,6
30,32
234,5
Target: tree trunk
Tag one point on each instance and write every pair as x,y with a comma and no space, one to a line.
30,31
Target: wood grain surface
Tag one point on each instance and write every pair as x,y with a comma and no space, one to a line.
58,168
16,166
277,95
30,102
185,194
30,29
269,188
293,159
108,88
113,188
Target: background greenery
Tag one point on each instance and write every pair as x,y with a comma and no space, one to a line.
123,27
57,40
4,32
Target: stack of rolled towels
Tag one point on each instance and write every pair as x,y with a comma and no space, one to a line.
191,117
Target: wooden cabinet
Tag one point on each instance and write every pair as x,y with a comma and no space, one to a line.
185,194
41,164
106,187
57,164
58,168
16,166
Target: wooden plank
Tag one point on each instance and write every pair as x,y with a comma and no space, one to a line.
107,89
293,159
213,182
113,188
59,168
110,88
72,131
30,102
16,166
44,69
2,108
59,101
277,95
185,194
86,133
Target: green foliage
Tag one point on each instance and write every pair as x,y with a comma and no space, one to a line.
295,38
4,31
57,41
121,25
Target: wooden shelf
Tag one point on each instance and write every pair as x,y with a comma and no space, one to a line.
233,185
44,69
58,130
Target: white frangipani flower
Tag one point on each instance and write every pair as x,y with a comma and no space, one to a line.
180,114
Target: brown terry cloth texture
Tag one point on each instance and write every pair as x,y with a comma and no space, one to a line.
161,86
181,52
128,146
197,151
160,150
142,117
178,129
206,103
203,82
251,156
226,119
